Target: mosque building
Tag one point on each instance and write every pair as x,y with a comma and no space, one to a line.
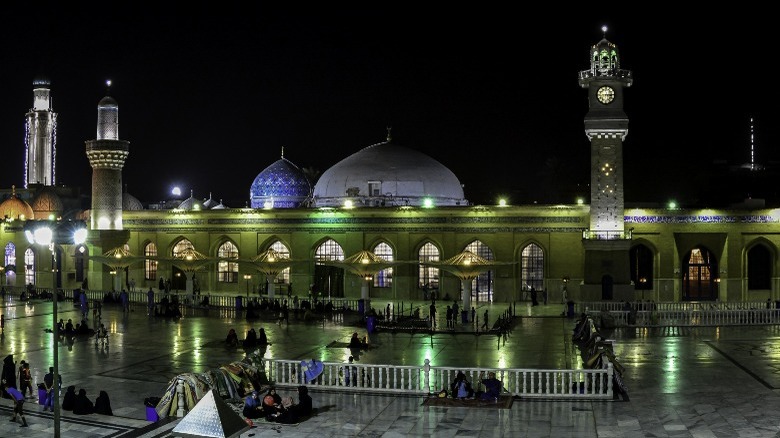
405,207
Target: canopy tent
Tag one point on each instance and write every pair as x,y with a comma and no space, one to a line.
118,259
364,264
466,266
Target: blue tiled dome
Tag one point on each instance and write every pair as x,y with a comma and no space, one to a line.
280,185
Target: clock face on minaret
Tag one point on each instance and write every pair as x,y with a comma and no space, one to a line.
605,95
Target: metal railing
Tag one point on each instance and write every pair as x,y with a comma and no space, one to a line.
551,384
691,318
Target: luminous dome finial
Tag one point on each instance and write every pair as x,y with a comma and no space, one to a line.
389,135
604,29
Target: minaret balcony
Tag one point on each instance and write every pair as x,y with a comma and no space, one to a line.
606,235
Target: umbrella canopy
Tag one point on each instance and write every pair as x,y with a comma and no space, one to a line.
363,263
272,262
117,258
466,265
188,260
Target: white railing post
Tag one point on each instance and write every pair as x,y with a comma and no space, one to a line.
180,395
427,375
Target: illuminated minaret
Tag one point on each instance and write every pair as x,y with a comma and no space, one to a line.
107,155
606,126
40,141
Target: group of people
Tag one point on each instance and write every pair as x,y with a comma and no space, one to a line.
274,408
461,388
68,329
252,339
80,404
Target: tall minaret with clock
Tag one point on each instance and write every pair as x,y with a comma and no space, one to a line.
606,126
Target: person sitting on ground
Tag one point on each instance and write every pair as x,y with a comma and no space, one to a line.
251,338
69,327
300,411
354,342
69,401
83,405
103,404
252,407
272,404
232,338
492,387
262,339
84,329
461,387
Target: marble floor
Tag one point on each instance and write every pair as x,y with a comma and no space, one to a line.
683,382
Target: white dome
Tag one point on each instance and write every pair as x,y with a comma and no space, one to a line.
385,174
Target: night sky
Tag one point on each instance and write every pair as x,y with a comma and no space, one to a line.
209,93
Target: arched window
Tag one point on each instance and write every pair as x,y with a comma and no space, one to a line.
181,246
227,271
642,267
384,278
532,267
429,276
482,286
281,248
329,250
328,280
150,266
10,254
759,268
29,266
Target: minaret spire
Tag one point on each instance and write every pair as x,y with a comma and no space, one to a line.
40,142
282,151
107,155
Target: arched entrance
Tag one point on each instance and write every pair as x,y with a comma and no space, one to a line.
700,275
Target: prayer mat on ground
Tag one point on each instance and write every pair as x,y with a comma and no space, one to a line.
504,402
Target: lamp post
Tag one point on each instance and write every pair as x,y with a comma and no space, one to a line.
247,277
44,235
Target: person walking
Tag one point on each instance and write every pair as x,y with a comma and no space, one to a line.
18,398
125,299
84,306
433,316
473,314
485,322
449,317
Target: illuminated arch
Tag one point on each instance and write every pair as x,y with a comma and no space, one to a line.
428,276
482,286
384,278
227,271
